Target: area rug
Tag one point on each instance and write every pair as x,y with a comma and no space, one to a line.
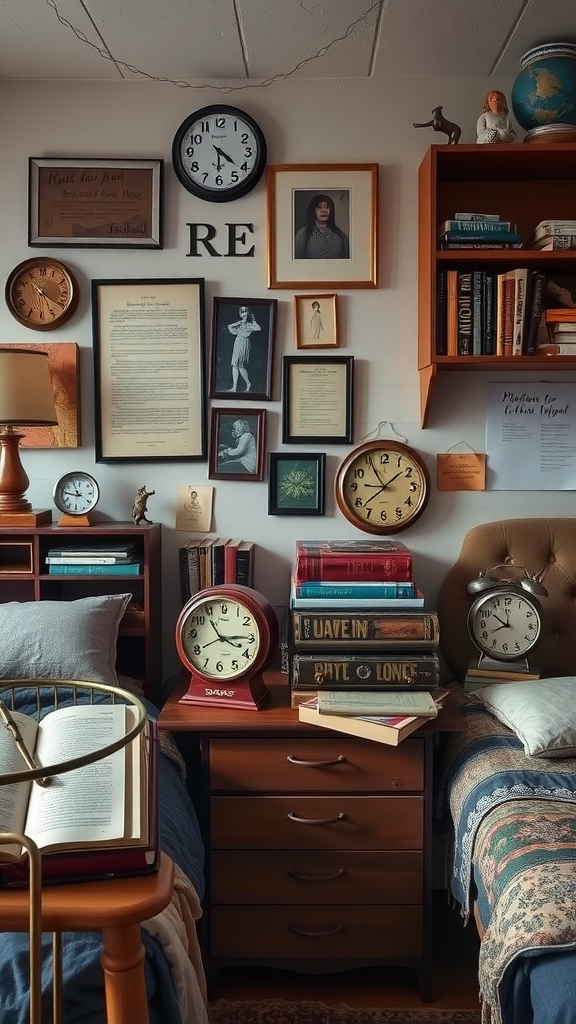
278,1011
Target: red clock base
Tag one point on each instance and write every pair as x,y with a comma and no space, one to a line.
248,694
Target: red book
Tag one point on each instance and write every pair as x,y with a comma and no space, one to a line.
344,560
230,560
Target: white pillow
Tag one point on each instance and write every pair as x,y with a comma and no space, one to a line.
542,713
61,639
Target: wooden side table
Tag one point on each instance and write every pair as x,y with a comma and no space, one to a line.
319,843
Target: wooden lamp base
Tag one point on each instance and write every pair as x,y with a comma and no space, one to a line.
15,509
247,694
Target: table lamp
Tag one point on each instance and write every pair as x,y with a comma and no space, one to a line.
25,401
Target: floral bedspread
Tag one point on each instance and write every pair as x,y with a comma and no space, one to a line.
512,823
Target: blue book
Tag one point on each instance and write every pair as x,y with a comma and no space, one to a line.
127,569
351,604
476,227
354,590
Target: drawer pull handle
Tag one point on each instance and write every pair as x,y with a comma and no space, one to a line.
316,821
316,764
316,935
316,878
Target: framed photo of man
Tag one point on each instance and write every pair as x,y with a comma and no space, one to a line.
242,346
322,222
237,440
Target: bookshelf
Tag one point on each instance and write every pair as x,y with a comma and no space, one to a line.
524,184
24,577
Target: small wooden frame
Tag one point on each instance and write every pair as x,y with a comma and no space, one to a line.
316,321
237,444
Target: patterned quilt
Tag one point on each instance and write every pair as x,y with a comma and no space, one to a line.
512,824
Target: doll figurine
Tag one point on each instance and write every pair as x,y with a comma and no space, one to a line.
493,125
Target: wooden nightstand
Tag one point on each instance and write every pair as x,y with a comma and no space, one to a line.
318,844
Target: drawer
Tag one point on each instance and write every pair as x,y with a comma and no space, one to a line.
344,764
375,932
316,877
317,822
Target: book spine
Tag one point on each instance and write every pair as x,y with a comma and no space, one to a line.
354,590
494,236
464,313
477,216
477,311
441,313
475,227
489,326
371,630
193,570
508,313
85,560
183,574
133,569
452,313
556,242
245,566
230,563
520,288
394,567
217,555
368,672
555,227
448,245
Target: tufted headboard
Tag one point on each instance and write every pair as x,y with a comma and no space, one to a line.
546,547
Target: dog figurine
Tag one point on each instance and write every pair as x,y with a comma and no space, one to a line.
441,124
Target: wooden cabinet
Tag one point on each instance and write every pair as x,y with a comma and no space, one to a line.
24,577
318,844
522,183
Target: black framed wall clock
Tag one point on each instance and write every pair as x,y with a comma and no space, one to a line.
382,486
219,153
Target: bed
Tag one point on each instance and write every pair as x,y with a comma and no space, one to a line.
174,974
507,785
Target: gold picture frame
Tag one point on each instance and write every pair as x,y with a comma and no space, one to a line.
322,225
316,318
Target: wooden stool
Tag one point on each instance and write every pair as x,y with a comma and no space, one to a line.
116,907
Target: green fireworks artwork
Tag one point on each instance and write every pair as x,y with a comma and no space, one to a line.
297,486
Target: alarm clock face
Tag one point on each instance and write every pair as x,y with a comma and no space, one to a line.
382,486
220,638
505,623
77,493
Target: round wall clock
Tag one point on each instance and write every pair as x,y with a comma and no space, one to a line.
41,293
226,636
382,486
505,622
219,153
76,495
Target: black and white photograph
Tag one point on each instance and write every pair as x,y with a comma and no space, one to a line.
237,444
242,347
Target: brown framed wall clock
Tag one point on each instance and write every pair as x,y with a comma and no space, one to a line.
382,486
41,293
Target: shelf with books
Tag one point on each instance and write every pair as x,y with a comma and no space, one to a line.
523,185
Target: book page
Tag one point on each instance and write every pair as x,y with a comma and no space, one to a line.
14,798
85,805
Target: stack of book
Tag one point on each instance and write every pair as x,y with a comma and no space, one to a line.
561,325
478,231
479,675
554,234
210,561
97,559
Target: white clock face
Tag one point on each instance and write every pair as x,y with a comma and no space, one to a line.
219,153
220,638
505,624
76,494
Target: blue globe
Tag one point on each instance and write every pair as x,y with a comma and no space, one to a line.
544,92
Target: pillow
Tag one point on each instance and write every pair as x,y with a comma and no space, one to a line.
61,639
542,713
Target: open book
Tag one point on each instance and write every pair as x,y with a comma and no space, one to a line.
96,821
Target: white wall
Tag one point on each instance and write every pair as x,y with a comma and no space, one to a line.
304,122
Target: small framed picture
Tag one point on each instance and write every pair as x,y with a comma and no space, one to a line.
237,439
316,321
242,347
317,399
296,483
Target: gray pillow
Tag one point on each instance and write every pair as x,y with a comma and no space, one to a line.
61,639
542,713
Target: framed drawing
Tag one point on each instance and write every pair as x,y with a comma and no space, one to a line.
296,483
322,225
63,366
149,369
115,204
237,439
242,346
317,399
316,321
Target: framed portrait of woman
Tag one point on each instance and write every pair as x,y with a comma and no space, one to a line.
242,346
322,222
316,321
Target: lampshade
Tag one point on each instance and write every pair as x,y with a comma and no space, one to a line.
25,389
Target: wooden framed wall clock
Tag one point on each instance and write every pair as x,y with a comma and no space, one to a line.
219,153
41,293
226,636
382,486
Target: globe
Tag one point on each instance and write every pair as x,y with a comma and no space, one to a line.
544,91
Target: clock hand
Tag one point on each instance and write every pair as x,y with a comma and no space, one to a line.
498,619
222,153
385,483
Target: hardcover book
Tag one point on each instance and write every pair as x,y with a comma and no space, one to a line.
343,604
391,729
352,702
354,589
95,569
390,670
471,236
245,556
464,313
452,312
520,308
339,561
476,226
368,631
554,227
441,313
94,821
534,312
231,561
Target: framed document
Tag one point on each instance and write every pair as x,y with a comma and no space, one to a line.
317,399
88,203
149,369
